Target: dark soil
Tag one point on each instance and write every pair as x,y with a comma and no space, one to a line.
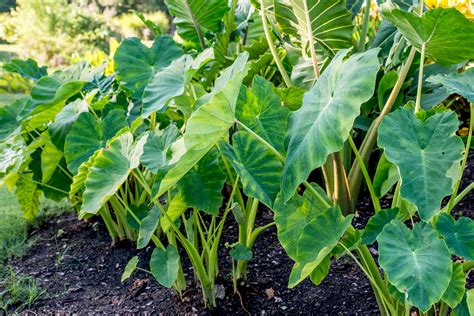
80,271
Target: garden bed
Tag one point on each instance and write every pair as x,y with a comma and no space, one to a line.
75,263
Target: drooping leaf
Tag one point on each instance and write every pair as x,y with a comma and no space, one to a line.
28,195
424,152
201,187
261,110
434,30
321,126
110,169
64,120
171,81
156,152
135,63
50,159
191,15
129,269
298,222
207,125
460,83
376,224
328,22
164,265
416,262
26,68
87,135
456,289
148,227
458,235
258,167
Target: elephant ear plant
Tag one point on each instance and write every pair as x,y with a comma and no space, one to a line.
263,105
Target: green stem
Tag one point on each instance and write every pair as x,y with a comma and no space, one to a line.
342,193
420,79
461,196
368,181
355,175
109,223
272,47
365,27
464,160
311,40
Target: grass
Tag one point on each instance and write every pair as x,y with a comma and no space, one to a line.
18,291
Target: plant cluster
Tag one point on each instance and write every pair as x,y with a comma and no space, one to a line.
271,104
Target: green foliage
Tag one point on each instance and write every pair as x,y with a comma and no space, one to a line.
427,154
416,262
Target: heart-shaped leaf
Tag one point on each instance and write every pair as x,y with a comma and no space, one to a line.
425,153
110,169
135,63
328,22
417,262
171,81
196,16
258,167
156,152
459,235
64,120
207,125
260,109
87,135
298,222
164,265
321,126
433,30
201,187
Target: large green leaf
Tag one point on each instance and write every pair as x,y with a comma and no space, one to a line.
157,150
460,83
466,307
448,36
207,125
201,187
458,235
193,15
425,153
52,92
135,63
164,265
110,169
148,226
258,167
87,135
456,289
260,108
308,232
417,262
321,126
328,22
171,81
27,68
64,120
